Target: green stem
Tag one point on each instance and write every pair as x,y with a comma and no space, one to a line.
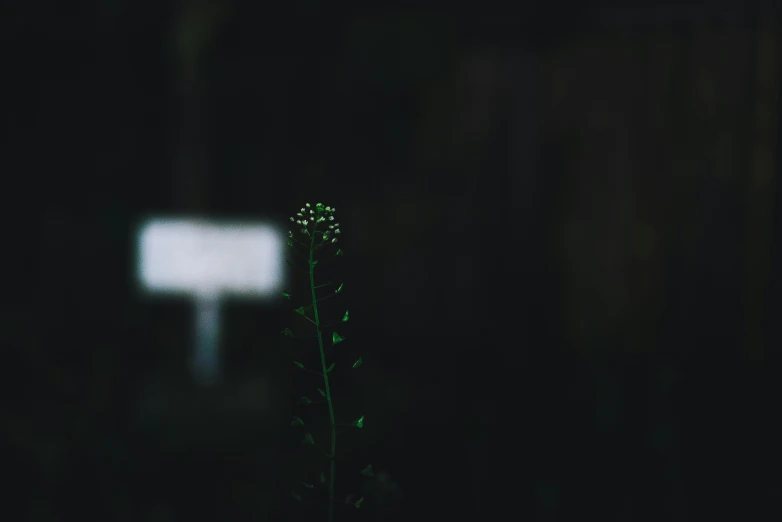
332,421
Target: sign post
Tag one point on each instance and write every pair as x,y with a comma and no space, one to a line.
209,261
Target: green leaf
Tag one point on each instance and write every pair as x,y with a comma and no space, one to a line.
286,294
358,363
315,262
339,289
336,338
358,502
368,471
339,252
328,370
300,310
322,478
297,363
308,486
287,332
308,439
289,243
296,496
305,400
359,423
297,422
345,317
321,392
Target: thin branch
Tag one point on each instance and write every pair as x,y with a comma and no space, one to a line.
327,296
308,319
299,242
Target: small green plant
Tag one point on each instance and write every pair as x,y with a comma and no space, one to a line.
317,234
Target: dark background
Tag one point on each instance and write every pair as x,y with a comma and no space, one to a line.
560,227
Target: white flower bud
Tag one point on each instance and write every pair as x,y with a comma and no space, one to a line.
334,240
298,214
298,221
331,218
292,220
307,205
302,210
303,230
328,209
304,222
331,226
336,231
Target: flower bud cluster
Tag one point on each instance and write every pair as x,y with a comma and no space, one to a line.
317,220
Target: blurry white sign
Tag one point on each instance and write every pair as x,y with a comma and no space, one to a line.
208,258
208,261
